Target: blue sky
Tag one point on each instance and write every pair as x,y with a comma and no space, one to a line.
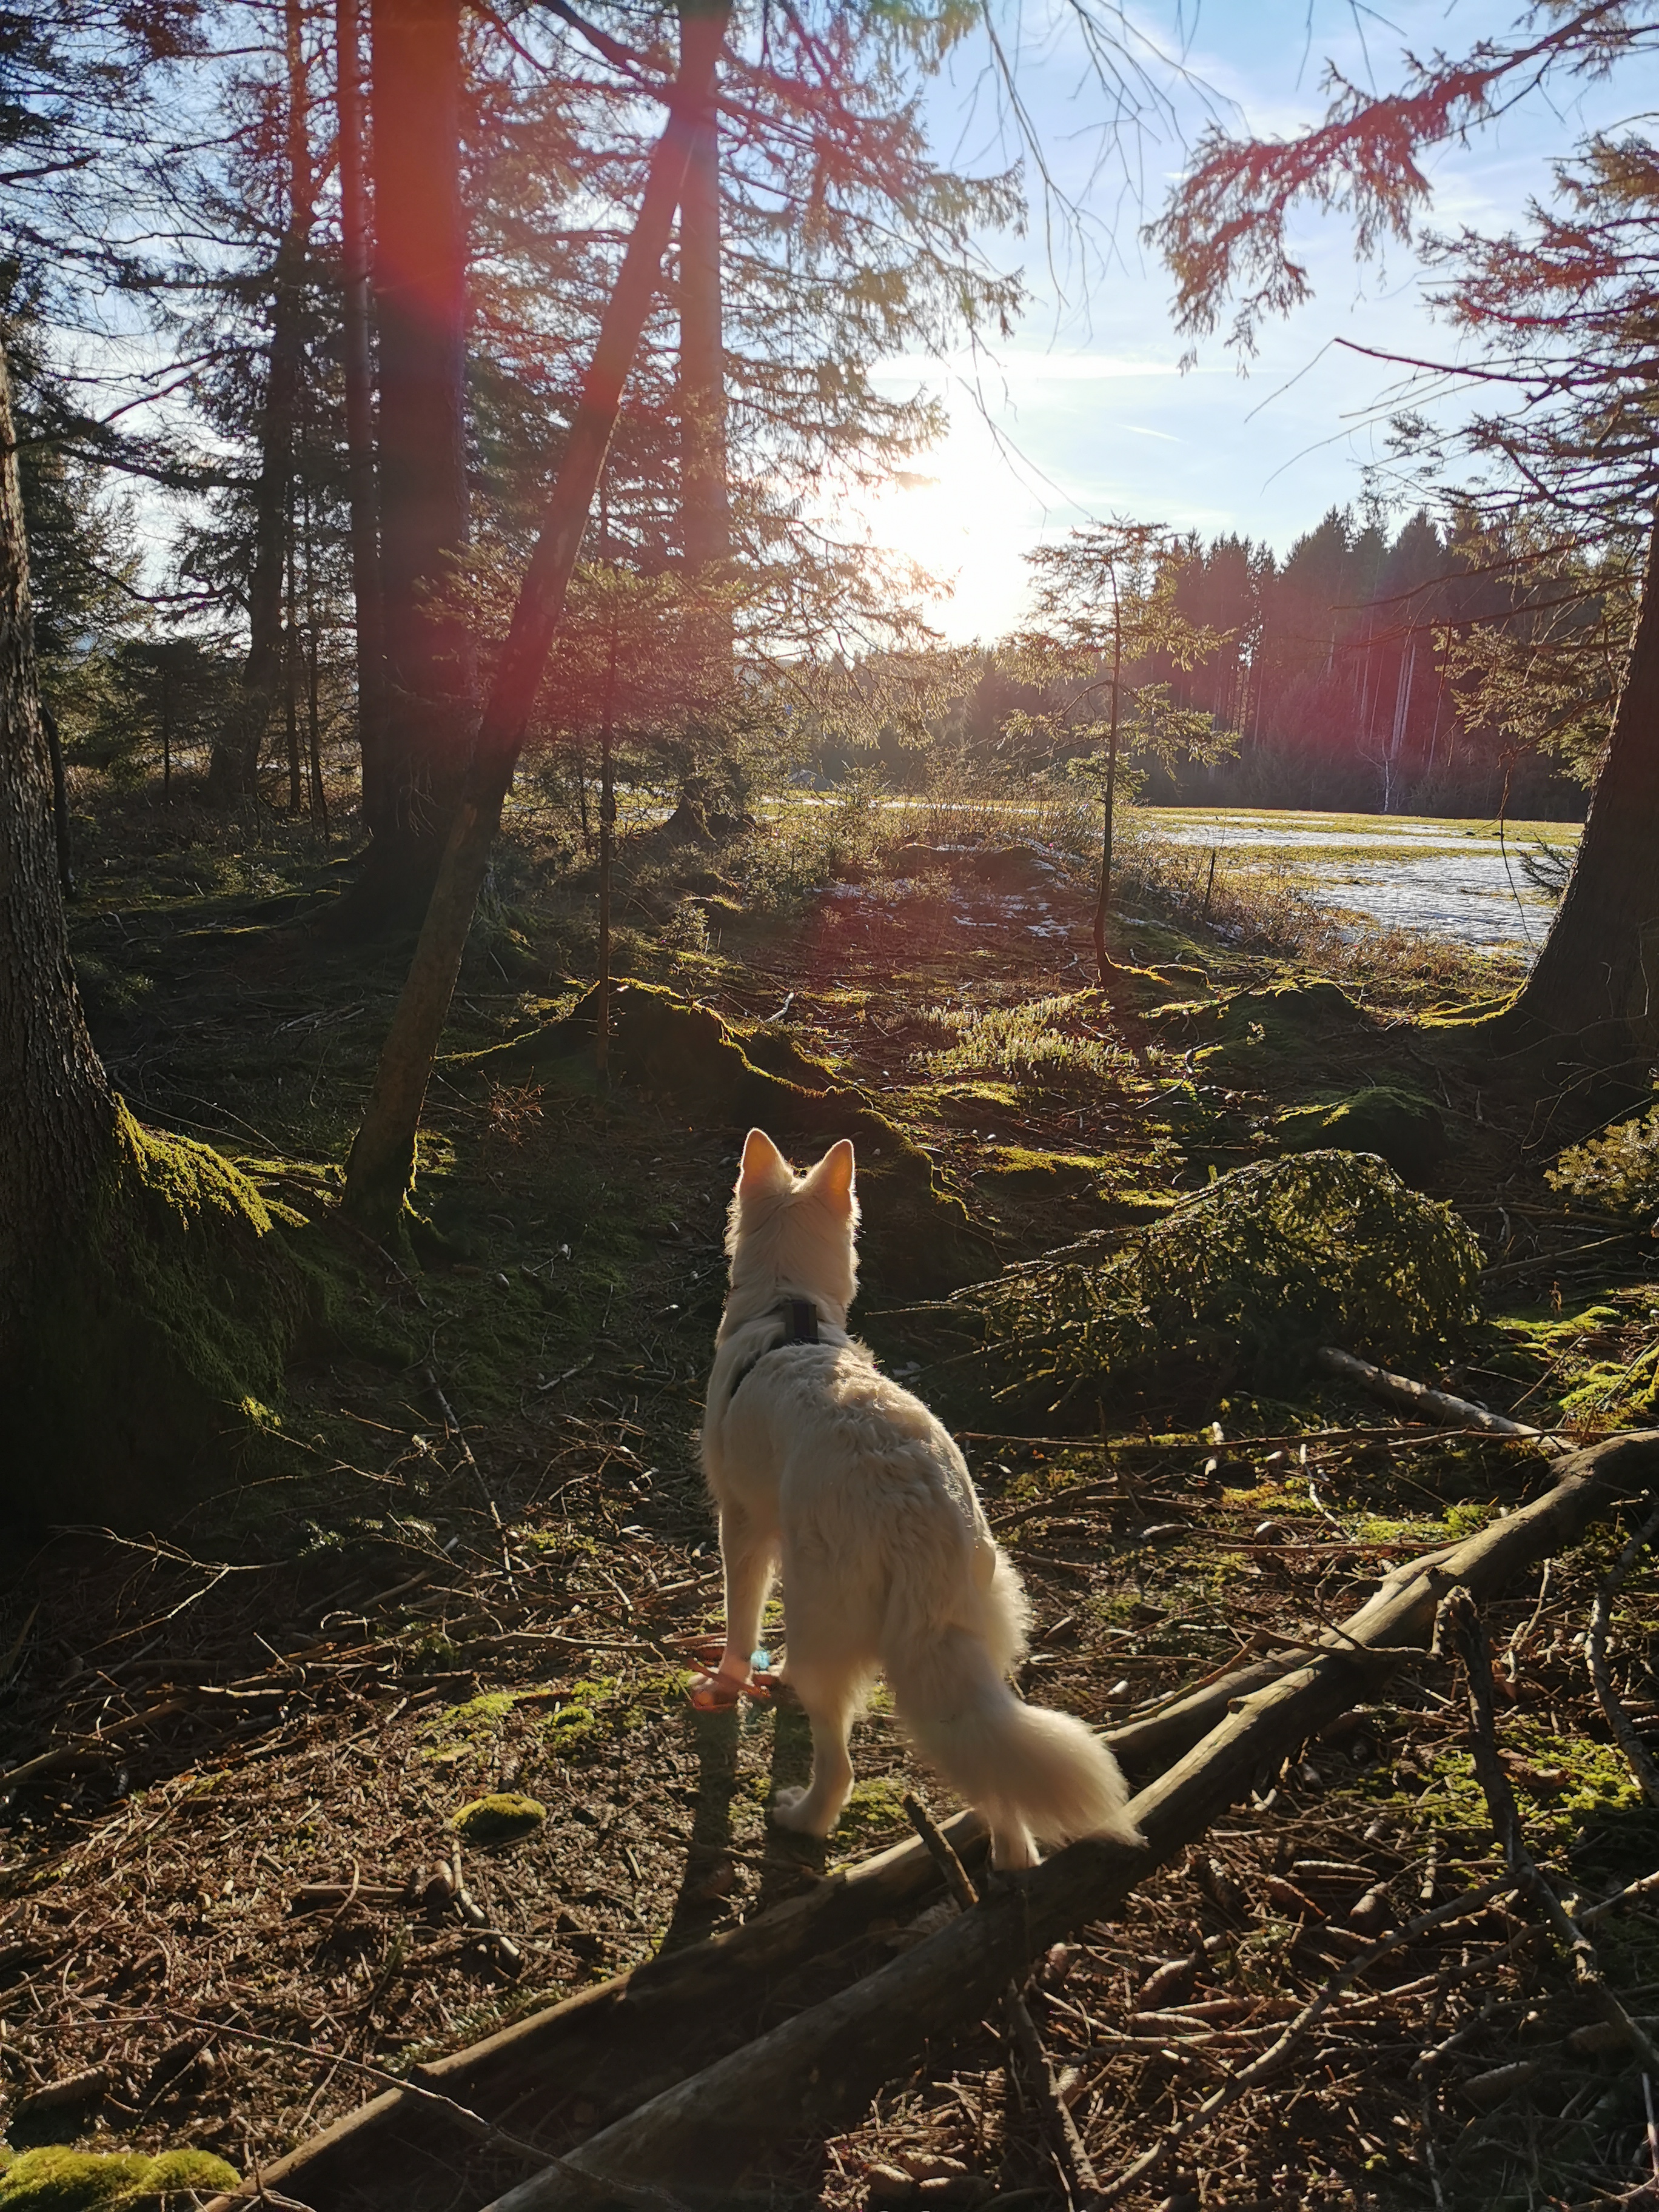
1084,412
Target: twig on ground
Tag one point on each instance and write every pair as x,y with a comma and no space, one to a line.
1635,1752
453,1428
1459,1624
1258,2070
1437,1406
1068,2145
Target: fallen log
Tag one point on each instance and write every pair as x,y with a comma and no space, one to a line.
814,2075
1437,1406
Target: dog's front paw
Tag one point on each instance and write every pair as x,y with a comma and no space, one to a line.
793,1808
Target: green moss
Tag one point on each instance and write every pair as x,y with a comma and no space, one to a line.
1328,1247
1396,1124
1058,1174
875,1808
501,1818
1597,1784
744,1076
55,2179
158,1338
1252,1032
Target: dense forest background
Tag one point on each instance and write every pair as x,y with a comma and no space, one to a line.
184,289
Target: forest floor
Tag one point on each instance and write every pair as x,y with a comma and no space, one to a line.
475,1556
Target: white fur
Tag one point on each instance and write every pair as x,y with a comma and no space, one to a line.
822,1466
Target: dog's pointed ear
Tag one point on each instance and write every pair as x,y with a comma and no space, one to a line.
765,1172
831,1179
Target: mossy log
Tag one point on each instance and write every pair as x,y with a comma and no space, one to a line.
156,1339
736,1079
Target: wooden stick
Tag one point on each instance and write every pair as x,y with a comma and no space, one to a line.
1437,1406
1637,1754
1056,2113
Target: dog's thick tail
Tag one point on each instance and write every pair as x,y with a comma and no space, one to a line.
1031,1773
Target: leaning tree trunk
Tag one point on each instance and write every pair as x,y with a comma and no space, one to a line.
1597,977
57,1129
705,508
360,419
706,515
383,1154
234,766
420,301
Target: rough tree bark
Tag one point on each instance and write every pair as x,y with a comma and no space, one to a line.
143,1298
1597,978
58,1128
233,765
706,514
420,302
360,416
383,1156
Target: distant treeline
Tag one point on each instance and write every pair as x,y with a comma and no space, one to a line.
1439,670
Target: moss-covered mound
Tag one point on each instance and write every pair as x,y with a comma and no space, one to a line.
1260,1032
158,1341
55,2179
733,1077
1263,1267
1400,1126
501,1818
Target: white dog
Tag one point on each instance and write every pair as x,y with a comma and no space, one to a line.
817,1461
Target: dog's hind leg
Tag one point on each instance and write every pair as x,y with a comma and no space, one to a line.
750,1558
831,1699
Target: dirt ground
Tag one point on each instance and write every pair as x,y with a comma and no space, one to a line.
479,1557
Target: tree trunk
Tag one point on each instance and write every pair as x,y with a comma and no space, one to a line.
1104,964
360,418
705,510
1597,978
57,1131
60,813
420,300
607,854
234,766
383,1156
146,1303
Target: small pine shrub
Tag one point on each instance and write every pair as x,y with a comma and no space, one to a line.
1268,1263
1617,1172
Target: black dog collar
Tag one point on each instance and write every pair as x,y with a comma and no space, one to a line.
799,1317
